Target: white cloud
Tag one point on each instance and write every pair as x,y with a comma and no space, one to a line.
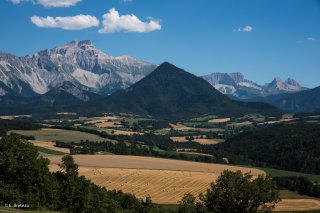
17,1
50,3
113,22
245,29
78,22
311,39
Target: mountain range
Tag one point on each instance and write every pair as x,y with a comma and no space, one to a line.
172,93
77,62
303,101
235,85
73,74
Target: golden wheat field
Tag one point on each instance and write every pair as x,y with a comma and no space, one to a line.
203,141
219,120
166,181
298,205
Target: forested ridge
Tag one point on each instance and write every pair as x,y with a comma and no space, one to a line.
292,147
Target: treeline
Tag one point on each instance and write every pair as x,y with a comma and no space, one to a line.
139,144
26,137
17,124
121,148
162,141
29,182
292,147
302,185
146,125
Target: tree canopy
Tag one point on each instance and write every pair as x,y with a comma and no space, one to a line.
25,179
234,192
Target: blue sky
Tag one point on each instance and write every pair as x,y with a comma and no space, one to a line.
259,38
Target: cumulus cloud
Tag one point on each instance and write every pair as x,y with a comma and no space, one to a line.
311,39
245,29
78,22
50,3
113,22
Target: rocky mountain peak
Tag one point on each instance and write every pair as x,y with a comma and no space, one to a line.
237,77
277,79
235,84
77,62
279,86
292,82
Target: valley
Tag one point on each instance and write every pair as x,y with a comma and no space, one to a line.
164,132
137,106
143,166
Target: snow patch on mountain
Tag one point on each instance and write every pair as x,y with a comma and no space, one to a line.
250,85
225,89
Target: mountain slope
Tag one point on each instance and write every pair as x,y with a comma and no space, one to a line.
304,101
172,93
235,85
53,101
293,147
77,62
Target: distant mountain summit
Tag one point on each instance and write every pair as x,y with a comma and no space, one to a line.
235,85
172,93
78,62
287,86
303,101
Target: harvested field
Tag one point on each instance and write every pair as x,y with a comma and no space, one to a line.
165,180
107,124
203,141
287,116
48,134
181,127
123,132
164,186
298,205
138,162
12,117
208,141
219,120
179,139
50,145
244,123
